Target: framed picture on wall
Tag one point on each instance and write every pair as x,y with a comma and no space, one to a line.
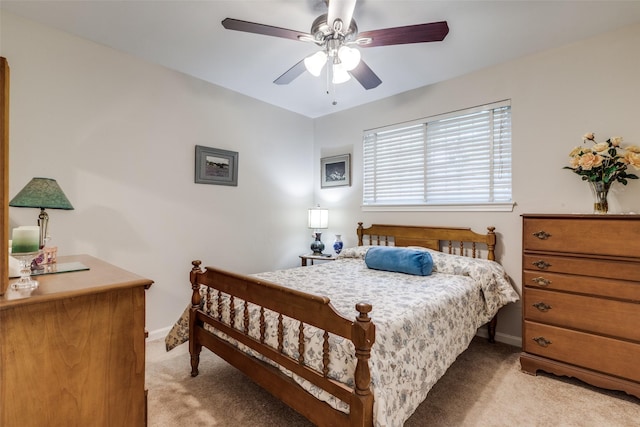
335,171
215,166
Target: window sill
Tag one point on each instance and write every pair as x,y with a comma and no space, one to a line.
452,207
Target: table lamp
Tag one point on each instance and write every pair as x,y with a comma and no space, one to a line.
318,219
43,193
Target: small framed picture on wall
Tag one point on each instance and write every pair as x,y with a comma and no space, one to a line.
335,171
215,166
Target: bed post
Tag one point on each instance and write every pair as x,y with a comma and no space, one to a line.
491,255
360,233
363,336
194,347
491,328
491,244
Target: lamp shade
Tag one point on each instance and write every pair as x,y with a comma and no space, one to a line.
340,74
318,218
349,57
43,193
315,63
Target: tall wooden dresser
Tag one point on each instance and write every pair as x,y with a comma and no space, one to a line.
73,352
581,298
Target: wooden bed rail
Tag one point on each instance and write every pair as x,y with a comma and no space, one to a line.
233,293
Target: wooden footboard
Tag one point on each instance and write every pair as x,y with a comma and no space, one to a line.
239,292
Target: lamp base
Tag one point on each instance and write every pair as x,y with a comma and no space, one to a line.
317,246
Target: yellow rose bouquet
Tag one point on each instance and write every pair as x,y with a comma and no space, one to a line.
602,164
605,162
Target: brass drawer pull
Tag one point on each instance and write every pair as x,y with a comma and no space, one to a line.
542,235
541,264
542,341
541,281
542,306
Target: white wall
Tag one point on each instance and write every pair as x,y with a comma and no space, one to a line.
556,97
118,134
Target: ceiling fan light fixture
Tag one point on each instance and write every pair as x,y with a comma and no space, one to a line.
336,34
314,63
349,57
340,74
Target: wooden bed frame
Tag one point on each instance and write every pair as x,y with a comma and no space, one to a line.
312,310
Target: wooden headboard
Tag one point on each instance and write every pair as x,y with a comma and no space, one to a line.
459,241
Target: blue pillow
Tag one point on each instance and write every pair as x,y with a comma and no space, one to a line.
399,260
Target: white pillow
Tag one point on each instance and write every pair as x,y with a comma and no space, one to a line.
358,252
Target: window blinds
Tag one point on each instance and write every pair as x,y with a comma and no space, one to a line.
460,158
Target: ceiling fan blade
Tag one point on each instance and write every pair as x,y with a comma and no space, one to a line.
267,30
291,74
365,75
420,33
341,9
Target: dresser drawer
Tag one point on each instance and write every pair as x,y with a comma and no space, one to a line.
598,315
607,355
609,269
597,286
607,235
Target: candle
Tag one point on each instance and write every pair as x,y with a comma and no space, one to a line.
25,239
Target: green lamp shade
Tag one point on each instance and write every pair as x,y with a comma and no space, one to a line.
44,193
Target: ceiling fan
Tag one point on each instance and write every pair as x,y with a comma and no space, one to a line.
337,34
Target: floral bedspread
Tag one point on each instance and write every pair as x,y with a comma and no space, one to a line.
422,322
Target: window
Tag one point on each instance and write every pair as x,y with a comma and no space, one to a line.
457,161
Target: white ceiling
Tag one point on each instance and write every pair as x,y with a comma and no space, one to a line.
187,36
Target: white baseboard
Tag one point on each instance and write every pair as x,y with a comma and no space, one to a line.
509,339
500,337
158,334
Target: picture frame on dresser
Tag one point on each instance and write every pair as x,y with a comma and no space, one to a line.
335,171
216,166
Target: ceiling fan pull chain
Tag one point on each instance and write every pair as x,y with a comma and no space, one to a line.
333,92
331,86
328,80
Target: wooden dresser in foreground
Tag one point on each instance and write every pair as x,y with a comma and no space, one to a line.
73,352
581,303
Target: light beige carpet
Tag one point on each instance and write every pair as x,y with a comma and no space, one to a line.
483,388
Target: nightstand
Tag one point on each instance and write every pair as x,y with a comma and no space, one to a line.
312,257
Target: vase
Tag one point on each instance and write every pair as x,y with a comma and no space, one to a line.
600,191
317,246
337,244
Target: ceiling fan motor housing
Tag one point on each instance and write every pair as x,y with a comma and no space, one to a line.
322,31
